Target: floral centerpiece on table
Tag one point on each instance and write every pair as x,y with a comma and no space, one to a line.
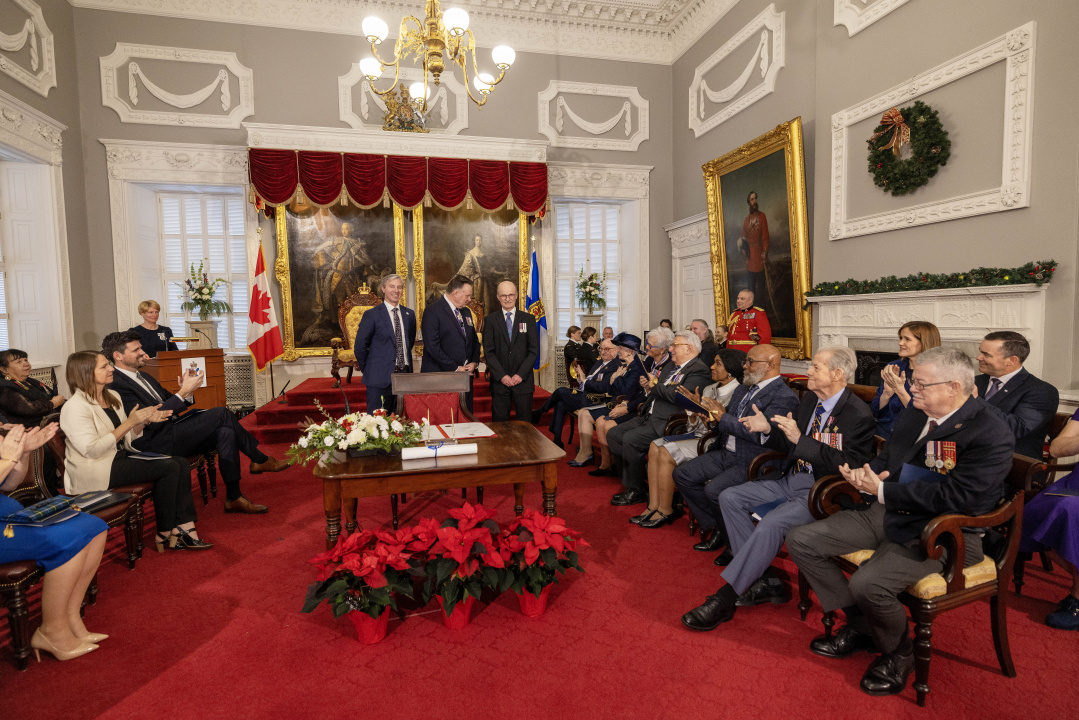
462,555
536,549
200,290
362,573
590,290
356,431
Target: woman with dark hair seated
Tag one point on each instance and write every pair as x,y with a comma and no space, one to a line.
572,350
23,399
155,338
99,451
69,551
893,395
669,452
588,354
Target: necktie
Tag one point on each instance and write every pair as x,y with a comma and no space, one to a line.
460,321
994,387
398,337
932,426
745,400
509,324
803,466
149,388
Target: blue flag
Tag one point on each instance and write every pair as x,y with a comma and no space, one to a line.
535,306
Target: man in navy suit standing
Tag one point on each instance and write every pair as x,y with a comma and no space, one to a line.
384,343
510,347
1018,398
449,333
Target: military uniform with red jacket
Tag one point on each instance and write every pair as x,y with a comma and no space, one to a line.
747,328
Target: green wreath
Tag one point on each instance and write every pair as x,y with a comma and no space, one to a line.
930,148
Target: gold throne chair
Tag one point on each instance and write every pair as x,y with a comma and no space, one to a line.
349,314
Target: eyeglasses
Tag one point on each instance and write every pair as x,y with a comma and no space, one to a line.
747,361
679,344
919,385
511,296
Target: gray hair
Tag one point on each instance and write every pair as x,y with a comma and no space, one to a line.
842,358
387,278
660,337
952,363
691,339
702,322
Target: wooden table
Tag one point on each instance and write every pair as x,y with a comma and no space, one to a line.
519,454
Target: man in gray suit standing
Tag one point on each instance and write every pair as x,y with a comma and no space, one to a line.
702,479
510,349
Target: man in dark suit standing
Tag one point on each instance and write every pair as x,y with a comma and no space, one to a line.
832,428
629,441
1026,403
510,349
384,343
949,453
702,479
449,334
212,429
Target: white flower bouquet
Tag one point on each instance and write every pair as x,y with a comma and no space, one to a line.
590,290
357,433
200,290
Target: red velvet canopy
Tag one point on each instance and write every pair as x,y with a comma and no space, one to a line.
323,176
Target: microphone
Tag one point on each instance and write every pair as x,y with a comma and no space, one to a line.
281,394
203,333
348,410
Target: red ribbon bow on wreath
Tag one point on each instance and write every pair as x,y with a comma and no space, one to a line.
893,121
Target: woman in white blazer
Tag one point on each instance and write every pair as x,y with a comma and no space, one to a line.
99,451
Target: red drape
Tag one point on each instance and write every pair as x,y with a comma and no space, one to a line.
275,174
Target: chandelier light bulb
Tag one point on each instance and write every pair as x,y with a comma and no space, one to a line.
483,82
456,21
371,68
375,29
415,90
503,55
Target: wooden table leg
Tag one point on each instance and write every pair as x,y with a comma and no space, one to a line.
331,504
550,487
519,498
351,525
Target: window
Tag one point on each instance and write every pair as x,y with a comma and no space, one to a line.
588,237
5,343
206,228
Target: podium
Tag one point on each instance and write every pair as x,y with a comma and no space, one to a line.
168,365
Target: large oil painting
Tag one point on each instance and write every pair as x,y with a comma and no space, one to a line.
330,253
759,233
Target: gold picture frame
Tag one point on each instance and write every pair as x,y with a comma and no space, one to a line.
772,168
291,314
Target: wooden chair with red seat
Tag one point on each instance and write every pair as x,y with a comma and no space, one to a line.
956,585
349,314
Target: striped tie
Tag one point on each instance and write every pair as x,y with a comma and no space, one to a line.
803,466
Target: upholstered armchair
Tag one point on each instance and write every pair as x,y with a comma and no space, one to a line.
349,314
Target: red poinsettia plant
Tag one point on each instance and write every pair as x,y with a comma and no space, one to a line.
462,554
536,549
363,572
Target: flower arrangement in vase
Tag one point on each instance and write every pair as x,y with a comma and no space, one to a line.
357,433
590,290
200,291
536,549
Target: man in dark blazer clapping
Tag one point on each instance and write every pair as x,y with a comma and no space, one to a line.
949,453
1023,401
384,343
449,333
510,349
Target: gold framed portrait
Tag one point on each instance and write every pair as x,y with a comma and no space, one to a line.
759,233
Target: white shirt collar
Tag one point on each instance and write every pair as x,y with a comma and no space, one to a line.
390,308
763,383
1004,379
133,375
453,308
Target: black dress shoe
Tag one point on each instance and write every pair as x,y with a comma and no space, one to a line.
724,559
711,544
630,497
558,442
708,616
658,519
602,472
888,674
844,643
762,592
536,415
638,519
574,463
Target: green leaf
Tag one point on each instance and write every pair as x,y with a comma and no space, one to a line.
446,566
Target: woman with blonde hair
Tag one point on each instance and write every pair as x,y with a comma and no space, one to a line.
100,455
155,338
915,337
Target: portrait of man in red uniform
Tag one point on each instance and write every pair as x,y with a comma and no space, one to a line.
753,244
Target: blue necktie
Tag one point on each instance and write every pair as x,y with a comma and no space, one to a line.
460,322
509,324
994,387
745,400
803,466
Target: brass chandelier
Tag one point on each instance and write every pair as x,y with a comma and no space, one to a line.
440,39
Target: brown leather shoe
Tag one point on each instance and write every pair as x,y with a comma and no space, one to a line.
271,465
243,505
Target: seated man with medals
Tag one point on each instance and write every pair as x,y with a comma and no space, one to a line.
624,386
949,453
832,427
567,400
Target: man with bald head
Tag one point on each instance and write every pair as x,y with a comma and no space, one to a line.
510,349
748,324
702,479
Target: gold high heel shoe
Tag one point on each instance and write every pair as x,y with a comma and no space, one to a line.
39,642
162,541
92,637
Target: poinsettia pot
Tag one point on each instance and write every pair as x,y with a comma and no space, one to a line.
370,630
461,615
532,606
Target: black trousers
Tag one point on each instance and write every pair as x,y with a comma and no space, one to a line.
214,429
173,504
501,402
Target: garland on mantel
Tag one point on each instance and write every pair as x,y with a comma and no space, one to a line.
1037,273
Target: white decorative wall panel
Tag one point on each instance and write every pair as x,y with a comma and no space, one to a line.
1016,48
448,103
124,97
707,107
691,271
37,70
857,15
625,130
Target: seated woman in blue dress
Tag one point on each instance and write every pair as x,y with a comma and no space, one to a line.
70,552
915,337
155,338
1051,522
23,399
624,382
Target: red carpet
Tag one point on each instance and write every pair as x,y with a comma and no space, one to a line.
218,634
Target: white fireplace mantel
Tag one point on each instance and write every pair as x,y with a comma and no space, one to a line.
963,316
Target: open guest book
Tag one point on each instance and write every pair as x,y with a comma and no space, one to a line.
457,431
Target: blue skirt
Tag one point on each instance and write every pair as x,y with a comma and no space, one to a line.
50,546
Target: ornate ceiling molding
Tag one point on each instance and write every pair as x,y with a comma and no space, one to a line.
372,108
856,18
623,137
40,76
650,31
30,132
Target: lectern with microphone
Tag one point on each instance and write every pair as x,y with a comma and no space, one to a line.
170,364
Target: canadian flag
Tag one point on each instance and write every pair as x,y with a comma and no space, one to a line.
264,335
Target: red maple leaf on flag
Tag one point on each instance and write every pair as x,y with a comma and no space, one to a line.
260,307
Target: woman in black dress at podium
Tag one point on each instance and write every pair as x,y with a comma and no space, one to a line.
155,338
